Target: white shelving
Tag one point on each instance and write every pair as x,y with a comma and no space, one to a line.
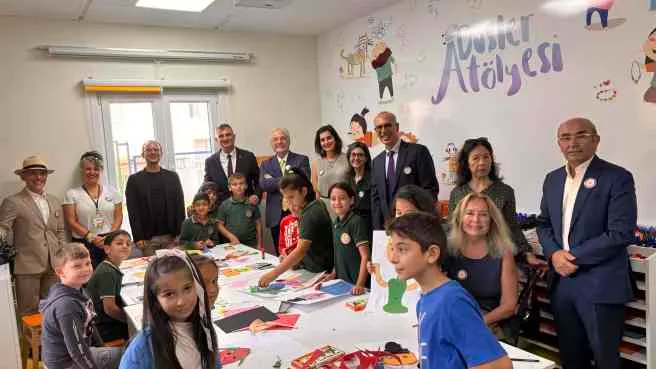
644,309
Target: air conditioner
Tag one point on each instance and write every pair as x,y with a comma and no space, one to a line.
148,54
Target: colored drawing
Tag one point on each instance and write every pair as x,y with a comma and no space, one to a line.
233,355
357,59
290,281
381,61
447,173
601,8
358,129
328,291
134,263
240,270
649,48
605,91
389,294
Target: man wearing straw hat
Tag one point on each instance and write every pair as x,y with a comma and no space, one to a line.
35,221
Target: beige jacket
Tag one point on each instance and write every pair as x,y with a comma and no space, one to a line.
35,241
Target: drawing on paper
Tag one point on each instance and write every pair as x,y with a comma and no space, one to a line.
389,294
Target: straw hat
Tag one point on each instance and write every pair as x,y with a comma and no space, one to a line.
33,162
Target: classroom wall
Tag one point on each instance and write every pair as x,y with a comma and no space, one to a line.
514,84
43,109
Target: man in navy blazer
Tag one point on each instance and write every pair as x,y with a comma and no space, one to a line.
411,164
587,218
229,160
272,171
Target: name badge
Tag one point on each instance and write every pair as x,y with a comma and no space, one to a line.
249,213
345,238
407,170
590,183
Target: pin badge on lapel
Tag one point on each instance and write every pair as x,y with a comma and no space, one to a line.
267,176
590,183
407,170
361,194
345,238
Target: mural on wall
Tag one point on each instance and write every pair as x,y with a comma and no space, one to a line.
356,61
649,48
447,172
605,91
486,40
475,4
358,129
601,7
432,7
382,61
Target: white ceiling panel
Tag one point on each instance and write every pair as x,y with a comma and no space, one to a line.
306,17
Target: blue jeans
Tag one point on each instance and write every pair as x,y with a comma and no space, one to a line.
603,14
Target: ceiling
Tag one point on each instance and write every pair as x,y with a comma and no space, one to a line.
302,17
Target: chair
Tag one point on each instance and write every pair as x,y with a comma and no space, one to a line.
115,343
32,334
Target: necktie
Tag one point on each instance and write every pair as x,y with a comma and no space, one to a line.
230,170
282,163
391,174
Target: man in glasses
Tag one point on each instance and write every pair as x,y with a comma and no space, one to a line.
35,220
587,217
401,164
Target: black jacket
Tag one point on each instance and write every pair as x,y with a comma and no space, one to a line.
138,201
246,165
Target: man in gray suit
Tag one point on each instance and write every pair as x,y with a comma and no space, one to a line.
35,221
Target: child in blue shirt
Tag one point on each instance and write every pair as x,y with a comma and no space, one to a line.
452,333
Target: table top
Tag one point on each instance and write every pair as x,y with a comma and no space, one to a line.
326,323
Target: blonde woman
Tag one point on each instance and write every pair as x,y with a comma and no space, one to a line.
481,258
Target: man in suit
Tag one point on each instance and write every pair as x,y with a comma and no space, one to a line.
272,171
35,220
401,164
587,217
229,160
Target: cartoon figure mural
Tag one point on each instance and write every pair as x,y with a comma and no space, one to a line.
652,4
396,287
605,91
356,59
649,47
447,174
382,61
358,128
602,7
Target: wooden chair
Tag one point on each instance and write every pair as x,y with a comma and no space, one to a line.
115,343
32,334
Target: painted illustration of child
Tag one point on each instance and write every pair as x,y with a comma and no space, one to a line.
396,287
382,61
602,7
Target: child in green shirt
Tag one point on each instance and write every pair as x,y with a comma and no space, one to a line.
199,231
239,220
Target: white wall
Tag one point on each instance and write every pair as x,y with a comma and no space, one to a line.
43,109
521,127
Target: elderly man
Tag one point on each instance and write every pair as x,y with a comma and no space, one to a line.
36,222
229,160
401,164
155,202
270,173
587,217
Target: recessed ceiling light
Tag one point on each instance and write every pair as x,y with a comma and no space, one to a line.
196,6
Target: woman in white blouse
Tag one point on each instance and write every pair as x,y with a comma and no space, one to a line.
92,210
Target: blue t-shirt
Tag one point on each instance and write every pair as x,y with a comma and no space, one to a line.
452,333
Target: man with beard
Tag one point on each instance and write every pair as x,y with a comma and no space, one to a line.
155,202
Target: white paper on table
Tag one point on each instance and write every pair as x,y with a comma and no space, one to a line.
132,294
379,301
303,279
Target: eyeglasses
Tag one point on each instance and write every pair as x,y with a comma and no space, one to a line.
384,127
579,137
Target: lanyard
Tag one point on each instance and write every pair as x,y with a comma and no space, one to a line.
95,202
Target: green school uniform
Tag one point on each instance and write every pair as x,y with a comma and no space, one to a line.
192,231
106,282
240,217
348,235
314,225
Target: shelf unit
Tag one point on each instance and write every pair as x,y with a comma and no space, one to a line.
641,313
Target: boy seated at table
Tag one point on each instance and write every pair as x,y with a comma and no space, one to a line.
67,331
105,287
199,231
239,220
452,333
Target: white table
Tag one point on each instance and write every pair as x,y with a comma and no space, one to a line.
326,323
